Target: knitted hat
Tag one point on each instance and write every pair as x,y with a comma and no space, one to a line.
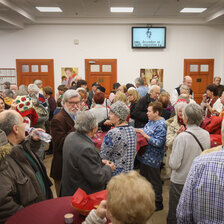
25,108
120,110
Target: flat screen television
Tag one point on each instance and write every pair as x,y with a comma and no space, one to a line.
148,37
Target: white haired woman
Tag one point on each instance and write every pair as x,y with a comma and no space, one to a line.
175,125
82,165
119,144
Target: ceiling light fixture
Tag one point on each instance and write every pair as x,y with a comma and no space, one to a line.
48,9
193,10
121,9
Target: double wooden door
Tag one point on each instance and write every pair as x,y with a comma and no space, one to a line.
201,72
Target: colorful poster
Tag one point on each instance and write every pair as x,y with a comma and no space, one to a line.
148,74
68,75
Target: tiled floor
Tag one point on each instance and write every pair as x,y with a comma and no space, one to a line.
157,218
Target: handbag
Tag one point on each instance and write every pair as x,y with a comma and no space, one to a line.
202,149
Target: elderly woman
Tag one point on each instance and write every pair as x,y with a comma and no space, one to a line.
100,111
119,144
123,195
185,92
82,165
39,84
175,125
187,145
155,133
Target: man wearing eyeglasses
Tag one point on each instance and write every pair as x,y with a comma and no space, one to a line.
61,125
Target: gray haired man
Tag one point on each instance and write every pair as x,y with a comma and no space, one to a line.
61,125
23,178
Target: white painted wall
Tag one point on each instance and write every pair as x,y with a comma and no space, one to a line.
113,41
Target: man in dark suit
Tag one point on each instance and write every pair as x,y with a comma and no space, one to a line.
140,111
61,125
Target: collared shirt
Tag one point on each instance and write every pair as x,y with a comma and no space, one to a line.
202,197
142,90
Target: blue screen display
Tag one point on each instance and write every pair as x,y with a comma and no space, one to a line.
148,37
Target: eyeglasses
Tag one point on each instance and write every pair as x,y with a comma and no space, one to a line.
73,103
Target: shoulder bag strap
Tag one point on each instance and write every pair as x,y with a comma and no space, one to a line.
202,149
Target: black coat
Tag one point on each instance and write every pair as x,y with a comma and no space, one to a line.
140,112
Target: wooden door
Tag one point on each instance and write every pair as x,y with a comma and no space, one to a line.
30,69
201,72
103,71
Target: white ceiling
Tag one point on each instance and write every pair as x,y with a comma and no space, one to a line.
18,13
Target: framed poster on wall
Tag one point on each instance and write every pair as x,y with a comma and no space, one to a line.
148,74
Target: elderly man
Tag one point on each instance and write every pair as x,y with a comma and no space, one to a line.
23,178
176,92
202,197
186,147
220,88
155,81
82,165
61,125
142,90
140,111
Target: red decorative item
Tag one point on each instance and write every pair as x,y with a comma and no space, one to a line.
84,203
23,98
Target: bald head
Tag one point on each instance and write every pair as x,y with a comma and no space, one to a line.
9,118
187,81
154,92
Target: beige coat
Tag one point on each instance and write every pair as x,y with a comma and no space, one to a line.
172,128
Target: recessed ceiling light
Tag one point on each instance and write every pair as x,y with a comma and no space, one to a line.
121,9
49,9
193,10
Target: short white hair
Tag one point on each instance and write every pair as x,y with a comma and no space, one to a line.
33,88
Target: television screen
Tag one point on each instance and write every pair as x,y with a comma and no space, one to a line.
148,37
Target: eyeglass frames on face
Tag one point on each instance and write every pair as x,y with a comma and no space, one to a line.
73,103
